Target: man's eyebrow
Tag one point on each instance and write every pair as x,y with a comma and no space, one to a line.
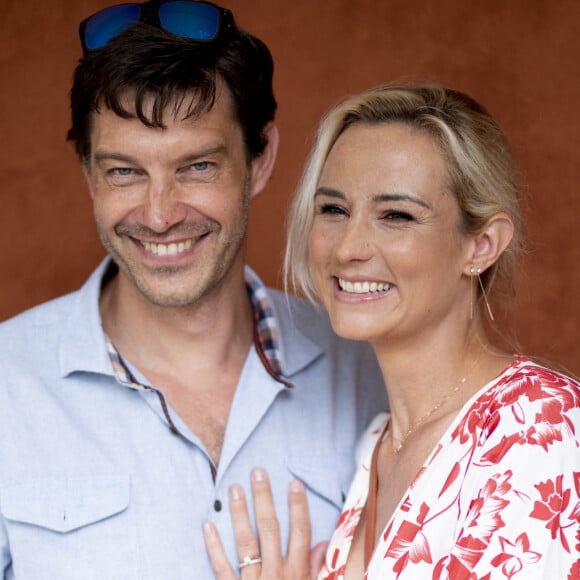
113,156
330,192
195,155
188,157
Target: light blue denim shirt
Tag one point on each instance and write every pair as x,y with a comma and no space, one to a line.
94,484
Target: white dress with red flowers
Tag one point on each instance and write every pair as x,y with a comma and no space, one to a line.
499,496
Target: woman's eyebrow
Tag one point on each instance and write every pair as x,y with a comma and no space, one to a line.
401,197
330,192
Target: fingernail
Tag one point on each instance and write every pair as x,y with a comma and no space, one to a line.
296,486
259,474
236,492
208,529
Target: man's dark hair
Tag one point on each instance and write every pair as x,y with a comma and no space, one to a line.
146,61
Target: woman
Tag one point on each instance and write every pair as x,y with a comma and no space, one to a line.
405,227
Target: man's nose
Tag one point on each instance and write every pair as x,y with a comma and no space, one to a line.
162,207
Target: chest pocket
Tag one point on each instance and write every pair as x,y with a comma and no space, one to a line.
53,523
327,480
328,476
64,504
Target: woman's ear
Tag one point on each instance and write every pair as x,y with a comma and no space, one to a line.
490,243
263,165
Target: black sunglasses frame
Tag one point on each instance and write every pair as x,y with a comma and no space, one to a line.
149,13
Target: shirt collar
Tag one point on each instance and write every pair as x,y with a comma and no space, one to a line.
82,343
85,347
265,337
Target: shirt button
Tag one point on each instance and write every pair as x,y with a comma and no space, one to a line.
217,505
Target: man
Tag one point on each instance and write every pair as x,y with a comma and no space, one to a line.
128,408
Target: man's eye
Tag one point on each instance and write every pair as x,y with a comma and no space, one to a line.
201,165
121,171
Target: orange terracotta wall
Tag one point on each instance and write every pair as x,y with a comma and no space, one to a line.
518,57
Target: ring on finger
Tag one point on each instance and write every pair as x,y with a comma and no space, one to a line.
248,561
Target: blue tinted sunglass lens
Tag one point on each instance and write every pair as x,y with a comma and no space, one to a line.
194,20
105,25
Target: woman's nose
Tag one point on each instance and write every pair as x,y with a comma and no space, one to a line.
354,244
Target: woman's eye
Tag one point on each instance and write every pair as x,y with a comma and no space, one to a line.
331,209
398,216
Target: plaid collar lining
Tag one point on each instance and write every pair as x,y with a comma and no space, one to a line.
265,339
265,328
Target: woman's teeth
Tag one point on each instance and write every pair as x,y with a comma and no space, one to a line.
362,287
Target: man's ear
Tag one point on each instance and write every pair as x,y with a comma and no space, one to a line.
263,165
491,242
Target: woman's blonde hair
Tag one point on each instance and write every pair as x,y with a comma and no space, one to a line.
481,169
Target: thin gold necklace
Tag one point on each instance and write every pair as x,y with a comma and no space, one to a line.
398,445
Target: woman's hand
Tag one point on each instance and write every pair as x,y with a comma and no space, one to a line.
261,558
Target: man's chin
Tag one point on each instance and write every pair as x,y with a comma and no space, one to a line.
172,300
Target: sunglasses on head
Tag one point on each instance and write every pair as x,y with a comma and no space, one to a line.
200,21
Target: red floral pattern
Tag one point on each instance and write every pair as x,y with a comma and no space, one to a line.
499,498
554,502
515,555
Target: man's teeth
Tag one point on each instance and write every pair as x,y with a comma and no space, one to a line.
362,287
167,249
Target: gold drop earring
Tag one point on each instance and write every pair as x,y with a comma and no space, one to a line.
477,272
